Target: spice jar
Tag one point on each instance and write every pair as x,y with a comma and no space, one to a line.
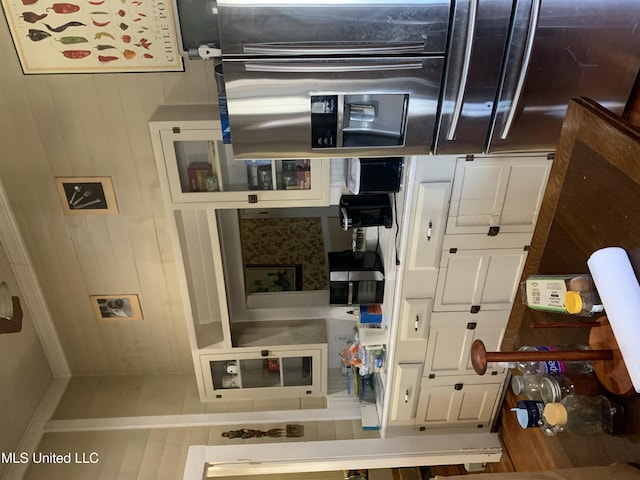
580,414
548,293
528,384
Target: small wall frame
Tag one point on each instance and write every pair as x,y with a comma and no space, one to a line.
116,307
87,195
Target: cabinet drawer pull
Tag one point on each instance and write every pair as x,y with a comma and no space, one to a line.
416,324
406,396
429,230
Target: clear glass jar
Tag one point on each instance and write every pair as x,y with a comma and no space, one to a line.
528,384
581,415
548,292
555,388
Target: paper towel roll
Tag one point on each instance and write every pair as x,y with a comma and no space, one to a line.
620,294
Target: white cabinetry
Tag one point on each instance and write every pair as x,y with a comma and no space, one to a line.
497,194
458,401
461,278
266,373
196,166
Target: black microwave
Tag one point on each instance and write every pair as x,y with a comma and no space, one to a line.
355,278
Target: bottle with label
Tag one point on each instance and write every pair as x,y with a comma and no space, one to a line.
569,294
555,367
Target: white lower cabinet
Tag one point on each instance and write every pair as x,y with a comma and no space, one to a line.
481,278
458,401
451,335
406,390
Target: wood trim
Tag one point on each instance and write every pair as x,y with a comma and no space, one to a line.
33,434
205,419
30,288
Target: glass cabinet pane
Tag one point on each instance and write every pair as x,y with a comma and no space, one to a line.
297,371
207,165
260,373
224,374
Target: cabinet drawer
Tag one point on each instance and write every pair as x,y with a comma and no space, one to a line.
406,385
451,335
414,322
428,225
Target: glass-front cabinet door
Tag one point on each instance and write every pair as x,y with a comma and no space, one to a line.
263,373
201,168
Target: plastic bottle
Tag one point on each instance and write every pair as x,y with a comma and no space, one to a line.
583,304
580,414
548,293
555,367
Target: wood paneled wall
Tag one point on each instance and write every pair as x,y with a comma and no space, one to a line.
24,371
96,125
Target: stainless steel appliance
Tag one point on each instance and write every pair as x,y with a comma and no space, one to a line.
365,210
332,78
355,278
513,65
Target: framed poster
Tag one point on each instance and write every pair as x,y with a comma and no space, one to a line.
273,278
87,195
94,36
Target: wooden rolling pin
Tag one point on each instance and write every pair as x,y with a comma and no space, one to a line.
480,357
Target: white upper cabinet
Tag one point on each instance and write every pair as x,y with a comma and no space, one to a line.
196,166
497,195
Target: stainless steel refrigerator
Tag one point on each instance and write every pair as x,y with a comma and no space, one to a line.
513,65
332,78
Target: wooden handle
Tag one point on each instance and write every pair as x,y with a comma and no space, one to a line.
480,357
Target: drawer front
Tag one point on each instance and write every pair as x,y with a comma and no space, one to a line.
429,225
406,388
414,323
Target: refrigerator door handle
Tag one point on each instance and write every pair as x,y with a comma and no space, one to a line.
468,51
294,67
533,25
321,49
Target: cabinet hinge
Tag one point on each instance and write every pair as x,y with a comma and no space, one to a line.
494,373
432,376
264,353
252,198
308,392
218,396
176,129
453,250
422,429
458,386
480,426
526,248
472,325
551,156
493,231
469,158
474,308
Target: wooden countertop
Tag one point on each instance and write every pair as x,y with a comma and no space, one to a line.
592,201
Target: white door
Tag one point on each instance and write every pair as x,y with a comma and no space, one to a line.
451,335
501,194
487,279
457,404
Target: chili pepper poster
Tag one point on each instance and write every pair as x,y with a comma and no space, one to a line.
94,36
